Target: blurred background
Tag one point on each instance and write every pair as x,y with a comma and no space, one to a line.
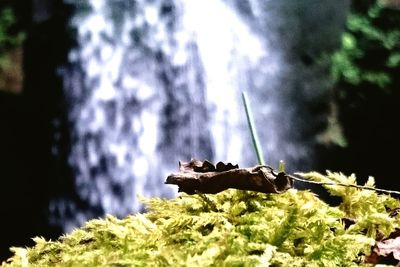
100,99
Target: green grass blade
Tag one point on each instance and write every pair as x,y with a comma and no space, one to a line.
253,131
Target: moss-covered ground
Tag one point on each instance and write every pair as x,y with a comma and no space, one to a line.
232,228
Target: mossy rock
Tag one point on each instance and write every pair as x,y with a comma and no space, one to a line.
232,228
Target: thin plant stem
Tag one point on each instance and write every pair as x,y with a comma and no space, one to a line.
379,190
253,131
260,157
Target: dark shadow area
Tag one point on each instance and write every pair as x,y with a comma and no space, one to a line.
369,118
369,109
31,175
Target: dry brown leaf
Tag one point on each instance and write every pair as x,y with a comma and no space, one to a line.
386,247
199,176
386,251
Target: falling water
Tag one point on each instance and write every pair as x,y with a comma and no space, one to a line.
154,82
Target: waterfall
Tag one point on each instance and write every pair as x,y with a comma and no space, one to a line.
153,82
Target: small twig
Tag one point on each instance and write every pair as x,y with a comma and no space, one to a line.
296,178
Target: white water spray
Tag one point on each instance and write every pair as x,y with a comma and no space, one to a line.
155,82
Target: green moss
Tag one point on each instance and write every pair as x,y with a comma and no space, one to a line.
232,228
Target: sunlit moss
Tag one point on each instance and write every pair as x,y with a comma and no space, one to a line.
232,228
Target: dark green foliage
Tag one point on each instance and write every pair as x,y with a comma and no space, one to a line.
8,38
370,53
367,93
